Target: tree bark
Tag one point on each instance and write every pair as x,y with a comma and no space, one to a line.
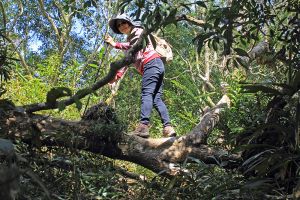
108,139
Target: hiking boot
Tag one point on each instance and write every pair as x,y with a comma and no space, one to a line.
142,130
169,131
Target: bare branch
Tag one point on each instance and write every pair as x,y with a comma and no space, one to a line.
45,14
65,18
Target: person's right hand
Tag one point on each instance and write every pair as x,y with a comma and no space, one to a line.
109,40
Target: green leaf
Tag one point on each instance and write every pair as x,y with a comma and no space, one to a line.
87,4
214,45
101,53
140,4
94,3
217,22
254,184
170,18
241,52
201,38
242,62
201,3
260,88
259,159
93,66
78,105
187,7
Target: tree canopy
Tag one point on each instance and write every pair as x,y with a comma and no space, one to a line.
232,91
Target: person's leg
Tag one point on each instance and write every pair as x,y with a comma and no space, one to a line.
151,77
152,83
149,82
159,105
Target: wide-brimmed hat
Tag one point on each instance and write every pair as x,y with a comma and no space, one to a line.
113,22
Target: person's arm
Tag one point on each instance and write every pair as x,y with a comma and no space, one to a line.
118,45
132,39
122,45
108,39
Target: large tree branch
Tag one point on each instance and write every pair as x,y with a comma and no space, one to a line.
109,140
208,121
114,67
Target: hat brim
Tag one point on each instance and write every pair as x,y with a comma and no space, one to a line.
113,24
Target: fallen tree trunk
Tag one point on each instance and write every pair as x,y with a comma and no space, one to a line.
108,139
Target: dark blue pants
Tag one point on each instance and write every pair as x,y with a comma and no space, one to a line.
152,85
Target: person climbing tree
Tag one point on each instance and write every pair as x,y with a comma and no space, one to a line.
149,64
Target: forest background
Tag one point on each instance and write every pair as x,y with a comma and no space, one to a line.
248,50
